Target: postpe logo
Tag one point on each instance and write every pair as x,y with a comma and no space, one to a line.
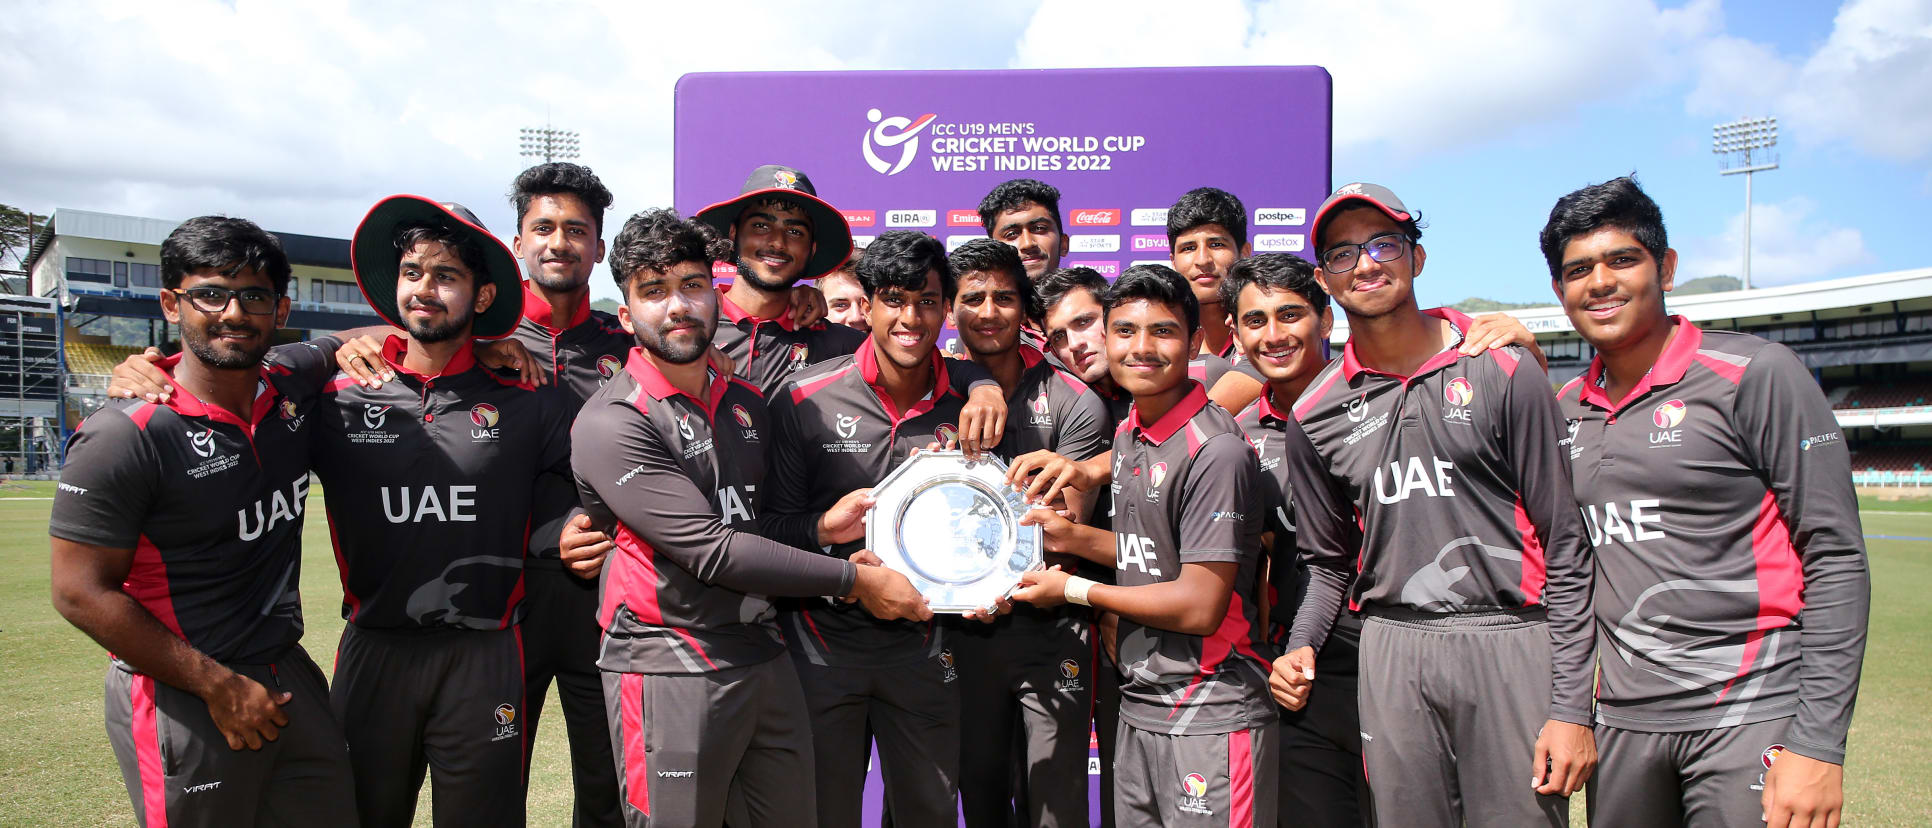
1669,414
896,131
1194,784
1459,391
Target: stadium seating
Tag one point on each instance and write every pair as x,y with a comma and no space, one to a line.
1912,391
1892,458
85,356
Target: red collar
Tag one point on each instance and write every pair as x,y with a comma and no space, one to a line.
395,347
1163,428
1669,370
1268,410
868,362
537,309
734,313
1351,367
1029,356
187,404
655,384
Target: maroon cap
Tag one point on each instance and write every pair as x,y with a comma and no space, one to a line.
1375,194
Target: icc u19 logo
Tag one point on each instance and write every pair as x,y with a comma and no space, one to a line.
896,131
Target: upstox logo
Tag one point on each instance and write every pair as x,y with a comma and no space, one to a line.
887,133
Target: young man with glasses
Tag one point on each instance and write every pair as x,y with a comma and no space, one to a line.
176,536
1732,591
1438,477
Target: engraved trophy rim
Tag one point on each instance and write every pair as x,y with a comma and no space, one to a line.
900,544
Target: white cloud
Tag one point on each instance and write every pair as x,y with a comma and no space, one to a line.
1411,76
1869,84
1790,242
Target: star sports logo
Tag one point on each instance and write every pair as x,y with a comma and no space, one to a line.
484,415
1194,784
607,366
743,417
1459,391
1669,414
896,131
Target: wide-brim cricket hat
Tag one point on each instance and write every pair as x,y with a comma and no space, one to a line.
1374,194
829,230
373,255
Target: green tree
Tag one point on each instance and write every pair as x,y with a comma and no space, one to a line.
16,233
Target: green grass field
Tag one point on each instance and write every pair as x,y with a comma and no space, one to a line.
56,768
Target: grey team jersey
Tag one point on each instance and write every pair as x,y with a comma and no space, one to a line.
1050,410
1732,583
210,503
1187,490
834,431
1454,483
767,352
685,588
581,356
431,482
1266,428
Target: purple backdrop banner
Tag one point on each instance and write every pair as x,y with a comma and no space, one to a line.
918,150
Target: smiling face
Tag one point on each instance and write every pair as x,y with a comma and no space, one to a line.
1076,332
774,241
1202,255
1032,231
437,294
845,300
673,313
1281,333
558,242
231,339
1148,346
987,312
1613,289
905,323
1371,289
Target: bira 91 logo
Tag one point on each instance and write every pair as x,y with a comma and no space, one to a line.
1667,417
895,133
1094,218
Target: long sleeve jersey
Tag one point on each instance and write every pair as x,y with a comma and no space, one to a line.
1732,584
1460,494
686,588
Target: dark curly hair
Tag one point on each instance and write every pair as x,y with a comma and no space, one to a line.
1273,272
989,256
467,249
1015,195
1618,203
1056,285
901,259
1160,284
659,239
1208,205
560,177
225,245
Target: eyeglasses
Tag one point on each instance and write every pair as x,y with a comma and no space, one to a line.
1342,258
210,299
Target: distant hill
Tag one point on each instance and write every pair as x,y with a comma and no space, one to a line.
605,305
1479,305
1708,284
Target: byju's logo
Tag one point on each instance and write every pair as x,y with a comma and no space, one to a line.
895,131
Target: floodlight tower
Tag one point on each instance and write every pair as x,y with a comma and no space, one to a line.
1745,147
549,144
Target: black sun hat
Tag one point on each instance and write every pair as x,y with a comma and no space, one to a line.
830,233
374,257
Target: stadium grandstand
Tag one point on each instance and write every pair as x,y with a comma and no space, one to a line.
92,284
1867,339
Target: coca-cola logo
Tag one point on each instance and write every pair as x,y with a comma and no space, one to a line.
1095,218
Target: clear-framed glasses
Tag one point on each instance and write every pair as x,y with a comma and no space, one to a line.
1387,247
211,299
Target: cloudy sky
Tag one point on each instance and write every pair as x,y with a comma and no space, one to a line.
1479,113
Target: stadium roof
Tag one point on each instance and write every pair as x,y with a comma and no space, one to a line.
318,251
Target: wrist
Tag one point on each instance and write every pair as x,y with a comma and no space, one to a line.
1075,591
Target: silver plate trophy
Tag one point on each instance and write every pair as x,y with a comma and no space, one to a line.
952,527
